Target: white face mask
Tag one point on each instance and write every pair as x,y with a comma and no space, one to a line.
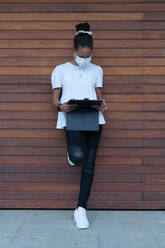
81,61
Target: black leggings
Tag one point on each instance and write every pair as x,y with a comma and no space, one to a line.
82,147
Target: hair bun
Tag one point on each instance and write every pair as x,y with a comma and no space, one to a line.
83,26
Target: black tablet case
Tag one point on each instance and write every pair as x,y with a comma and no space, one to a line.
85,120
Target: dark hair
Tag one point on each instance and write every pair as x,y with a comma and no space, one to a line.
83,39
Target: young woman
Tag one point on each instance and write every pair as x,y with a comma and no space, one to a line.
79,79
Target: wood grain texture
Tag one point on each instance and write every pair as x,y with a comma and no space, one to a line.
37,35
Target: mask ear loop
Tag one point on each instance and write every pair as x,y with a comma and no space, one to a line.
74,54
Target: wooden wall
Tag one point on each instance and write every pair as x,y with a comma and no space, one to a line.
129,43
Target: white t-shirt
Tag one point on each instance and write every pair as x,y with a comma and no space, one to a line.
76,82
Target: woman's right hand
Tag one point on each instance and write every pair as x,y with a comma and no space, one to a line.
67,107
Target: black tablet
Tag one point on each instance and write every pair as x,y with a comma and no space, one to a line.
85,103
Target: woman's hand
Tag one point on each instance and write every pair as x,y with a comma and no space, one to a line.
101,107
67,107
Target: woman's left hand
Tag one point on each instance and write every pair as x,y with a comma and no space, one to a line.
101,107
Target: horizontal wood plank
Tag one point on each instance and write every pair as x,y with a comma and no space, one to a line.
125,16
73,1
69,25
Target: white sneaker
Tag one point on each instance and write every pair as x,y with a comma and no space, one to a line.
80,218
70,162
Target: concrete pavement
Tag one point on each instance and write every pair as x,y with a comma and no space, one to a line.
56,229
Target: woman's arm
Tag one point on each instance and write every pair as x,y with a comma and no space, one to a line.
103,106
56,96
99,92
56,100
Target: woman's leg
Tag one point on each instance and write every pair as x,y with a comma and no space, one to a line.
87,170
82,147
76,146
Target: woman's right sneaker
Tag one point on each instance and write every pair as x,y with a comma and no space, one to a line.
80,218
70,162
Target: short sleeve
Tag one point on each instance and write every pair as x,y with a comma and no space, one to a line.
99,81
56,80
